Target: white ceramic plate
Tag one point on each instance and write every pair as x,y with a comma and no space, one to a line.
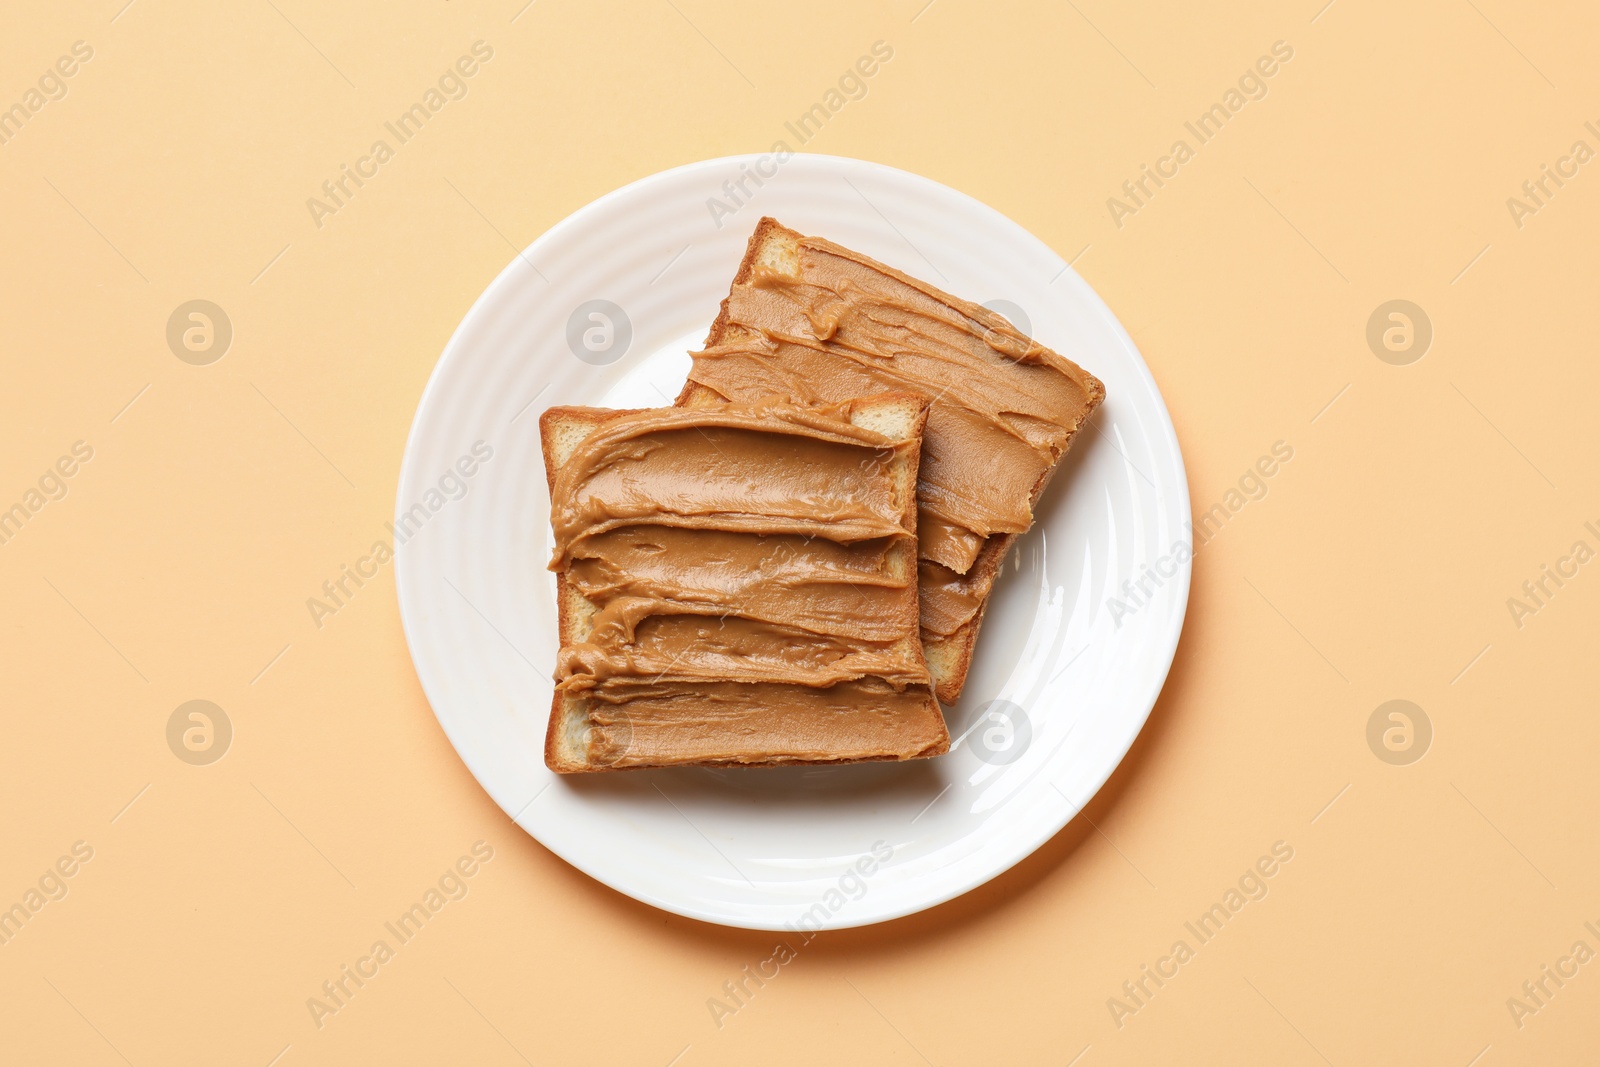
602,310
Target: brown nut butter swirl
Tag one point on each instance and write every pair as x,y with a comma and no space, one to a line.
751,579
1003,411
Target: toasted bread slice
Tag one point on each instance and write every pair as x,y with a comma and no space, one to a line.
852,721
776,250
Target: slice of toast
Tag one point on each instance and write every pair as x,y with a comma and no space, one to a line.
966,570
738,717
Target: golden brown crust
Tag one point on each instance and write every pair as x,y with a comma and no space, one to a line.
551,425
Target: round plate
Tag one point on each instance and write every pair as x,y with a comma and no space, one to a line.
602,310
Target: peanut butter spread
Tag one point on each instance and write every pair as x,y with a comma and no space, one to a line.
1003,411
726,722
748,572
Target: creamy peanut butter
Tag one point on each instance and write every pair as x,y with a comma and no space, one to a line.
1003,408
947,600
741,723
774,469
752,577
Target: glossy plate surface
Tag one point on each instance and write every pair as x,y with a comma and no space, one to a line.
602,310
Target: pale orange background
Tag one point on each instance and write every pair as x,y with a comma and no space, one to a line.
1378,567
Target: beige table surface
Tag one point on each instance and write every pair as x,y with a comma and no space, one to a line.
1377,163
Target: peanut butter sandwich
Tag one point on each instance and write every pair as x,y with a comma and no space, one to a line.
818,324
737,585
